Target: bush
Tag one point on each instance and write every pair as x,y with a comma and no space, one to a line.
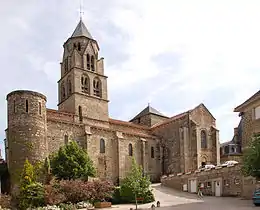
74,191
148,197
103,190
116,198
31,195
53,194
5,201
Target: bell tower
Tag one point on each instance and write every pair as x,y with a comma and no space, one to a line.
83,85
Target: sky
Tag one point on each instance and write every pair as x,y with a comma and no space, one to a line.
172,54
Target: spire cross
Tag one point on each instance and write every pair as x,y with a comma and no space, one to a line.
80,10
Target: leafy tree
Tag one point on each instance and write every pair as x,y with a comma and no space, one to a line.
251,158
71,162
136,185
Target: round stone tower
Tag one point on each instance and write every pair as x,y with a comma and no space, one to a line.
27,130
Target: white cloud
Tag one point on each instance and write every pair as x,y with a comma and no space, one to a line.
218,42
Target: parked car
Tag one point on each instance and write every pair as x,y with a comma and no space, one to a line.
229,162
210,166
256,197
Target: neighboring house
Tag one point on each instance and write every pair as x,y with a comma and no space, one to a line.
231,150
159,144
249,111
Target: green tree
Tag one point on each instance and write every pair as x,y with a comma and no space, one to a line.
27,176
31,192
251,158
136,185
71,162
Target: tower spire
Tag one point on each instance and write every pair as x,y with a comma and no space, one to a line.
81,10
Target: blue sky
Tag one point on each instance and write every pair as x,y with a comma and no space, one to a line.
173,54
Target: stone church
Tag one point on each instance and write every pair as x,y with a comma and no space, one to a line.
160,144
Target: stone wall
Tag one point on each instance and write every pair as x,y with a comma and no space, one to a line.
115,163
232,181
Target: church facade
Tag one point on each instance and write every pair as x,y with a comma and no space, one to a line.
160,144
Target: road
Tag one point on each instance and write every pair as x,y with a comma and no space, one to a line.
174,200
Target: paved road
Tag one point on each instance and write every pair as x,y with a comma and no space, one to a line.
175,200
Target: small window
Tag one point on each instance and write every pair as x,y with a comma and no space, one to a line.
66,139
97,88
203,139
40,108
130,149
92,63
257,112
14,107
102,146
79,47
26,106
80,114
85,84
88,62
152,152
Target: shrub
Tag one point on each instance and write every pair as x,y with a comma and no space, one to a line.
76,190
53,194
31,195
116,198
102,190
27,176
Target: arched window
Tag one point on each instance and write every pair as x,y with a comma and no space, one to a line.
152,152
66,139
69,87
80,114
102,146
88,62
40,108
92,63
85,84
79,47
26,106
97,87
203,139
130,149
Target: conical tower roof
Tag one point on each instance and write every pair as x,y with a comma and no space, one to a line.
81,30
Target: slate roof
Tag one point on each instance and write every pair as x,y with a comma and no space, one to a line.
81,30
149,110
247,102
